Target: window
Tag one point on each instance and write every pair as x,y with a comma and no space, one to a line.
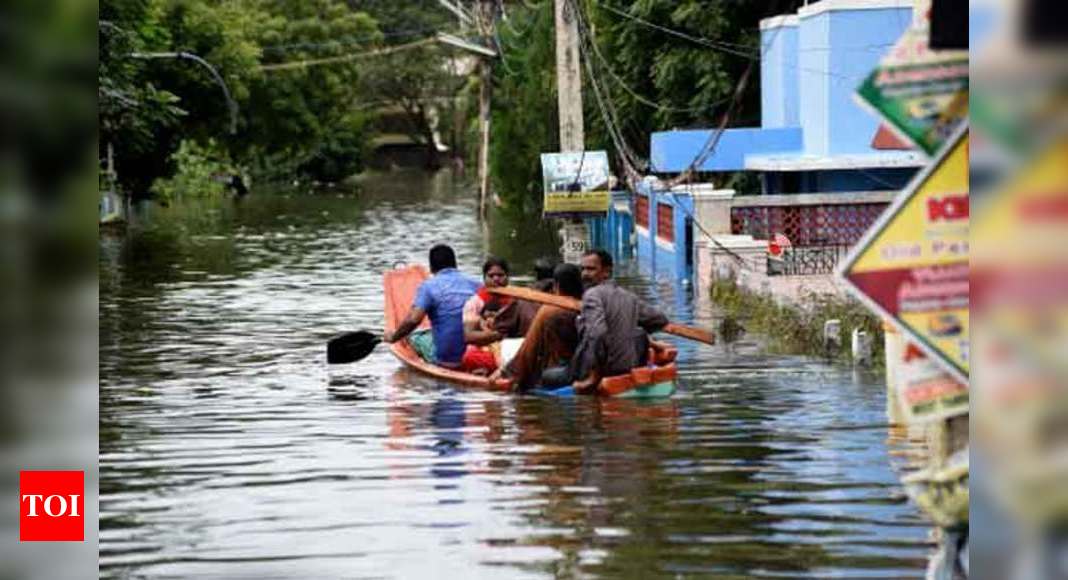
641,210
665,222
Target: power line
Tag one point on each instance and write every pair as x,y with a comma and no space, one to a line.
347,57
639,98
347,40
608,112
727,47
718,45
604,103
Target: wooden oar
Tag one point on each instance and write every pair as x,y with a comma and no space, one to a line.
351,346
569,303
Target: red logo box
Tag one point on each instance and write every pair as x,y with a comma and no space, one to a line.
51,506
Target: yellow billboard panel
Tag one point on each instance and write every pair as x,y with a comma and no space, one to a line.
912,265
572,202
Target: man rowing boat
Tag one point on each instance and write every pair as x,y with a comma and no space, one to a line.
442,298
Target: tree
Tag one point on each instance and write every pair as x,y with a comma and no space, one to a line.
293,120
648,78
524,113
132,109
304,120
690,83
416,82
422,84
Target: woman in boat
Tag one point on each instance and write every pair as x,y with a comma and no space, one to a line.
551,342
488,319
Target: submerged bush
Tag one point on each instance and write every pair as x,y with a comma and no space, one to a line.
798,329
200,171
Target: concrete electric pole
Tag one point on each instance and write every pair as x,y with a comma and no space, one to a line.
574,234
487,22
568,78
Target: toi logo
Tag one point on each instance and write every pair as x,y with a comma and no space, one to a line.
948,208
51,506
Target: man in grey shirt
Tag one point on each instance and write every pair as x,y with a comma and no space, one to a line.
613,325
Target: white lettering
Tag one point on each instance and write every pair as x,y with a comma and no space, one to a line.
33,503
74,505
48,504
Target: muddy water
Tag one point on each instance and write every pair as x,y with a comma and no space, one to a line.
229,448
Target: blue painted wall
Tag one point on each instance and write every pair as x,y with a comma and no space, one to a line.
674,151
809,75
813,45
838,49
661,258
859,39
613,232
779,99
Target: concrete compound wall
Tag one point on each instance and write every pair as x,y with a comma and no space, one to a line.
744,260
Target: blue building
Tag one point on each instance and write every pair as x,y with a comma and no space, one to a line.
826,166
814,136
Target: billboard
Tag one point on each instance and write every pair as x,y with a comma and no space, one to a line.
575,184
912,265
920,92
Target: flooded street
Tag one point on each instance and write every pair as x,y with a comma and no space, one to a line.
229,448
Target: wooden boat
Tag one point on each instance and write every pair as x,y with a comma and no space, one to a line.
400,286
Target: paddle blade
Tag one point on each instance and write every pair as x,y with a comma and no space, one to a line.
351,346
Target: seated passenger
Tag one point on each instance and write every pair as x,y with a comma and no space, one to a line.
551,342
442,298
490,318
613,325
476,331
543,275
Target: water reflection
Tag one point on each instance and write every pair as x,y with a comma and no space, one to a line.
229,447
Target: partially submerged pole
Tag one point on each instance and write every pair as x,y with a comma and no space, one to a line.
569,102
487,22
484,96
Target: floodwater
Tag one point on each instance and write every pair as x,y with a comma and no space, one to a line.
229,448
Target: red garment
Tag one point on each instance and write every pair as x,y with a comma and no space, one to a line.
476,358
488,298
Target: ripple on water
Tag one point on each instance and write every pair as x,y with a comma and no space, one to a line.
228,447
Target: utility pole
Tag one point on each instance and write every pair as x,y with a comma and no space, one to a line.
568,77
574,234
487,22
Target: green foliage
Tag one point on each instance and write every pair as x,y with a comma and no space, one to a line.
131,108
339,154
413,83
688,82
525,119
294,121
793,329
300,114
200,172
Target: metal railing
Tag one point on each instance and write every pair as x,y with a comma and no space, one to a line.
807,260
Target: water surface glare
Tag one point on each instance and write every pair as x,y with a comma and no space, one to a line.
229,448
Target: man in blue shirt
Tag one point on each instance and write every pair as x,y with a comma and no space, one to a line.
442,298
